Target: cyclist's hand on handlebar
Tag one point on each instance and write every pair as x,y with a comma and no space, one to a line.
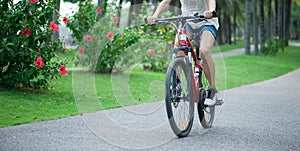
151,20
209,14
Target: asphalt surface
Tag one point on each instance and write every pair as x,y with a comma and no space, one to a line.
260,116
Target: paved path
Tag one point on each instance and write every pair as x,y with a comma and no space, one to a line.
260,116
294,44
238,51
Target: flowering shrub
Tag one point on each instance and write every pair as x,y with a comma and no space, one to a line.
84,19
103,46
102,42
27,54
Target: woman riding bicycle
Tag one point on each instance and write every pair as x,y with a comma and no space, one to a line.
204,34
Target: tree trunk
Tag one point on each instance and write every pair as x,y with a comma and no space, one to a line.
229,30
119,12
276,21
280,19
255,26
247,28
270,20
234,27
262,26
220,32
288,8
224,28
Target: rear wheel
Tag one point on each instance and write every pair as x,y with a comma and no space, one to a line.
206,113
179,97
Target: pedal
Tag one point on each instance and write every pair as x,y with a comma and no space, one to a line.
219,102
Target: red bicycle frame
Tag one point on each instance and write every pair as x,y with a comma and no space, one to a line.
185,45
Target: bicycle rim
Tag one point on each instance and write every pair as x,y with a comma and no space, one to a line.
179,98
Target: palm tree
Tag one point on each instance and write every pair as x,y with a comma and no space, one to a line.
288,7
262,26
280,18
247,28
255,27
270,20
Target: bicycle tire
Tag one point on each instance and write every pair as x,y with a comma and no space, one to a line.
206,113
174,104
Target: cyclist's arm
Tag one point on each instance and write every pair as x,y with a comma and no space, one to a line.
161,8
211,7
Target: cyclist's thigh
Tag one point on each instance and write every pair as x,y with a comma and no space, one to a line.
206,41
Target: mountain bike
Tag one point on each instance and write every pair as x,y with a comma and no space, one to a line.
185,83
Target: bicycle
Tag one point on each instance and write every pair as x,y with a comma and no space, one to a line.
182,91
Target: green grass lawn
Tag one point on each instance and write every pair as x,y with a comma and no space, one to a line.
20,106
243,69
227,47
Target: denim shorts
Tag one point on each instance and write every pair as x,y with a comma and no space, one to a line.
210,28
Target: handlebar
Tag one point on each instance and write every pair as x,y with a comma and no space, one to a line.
195,17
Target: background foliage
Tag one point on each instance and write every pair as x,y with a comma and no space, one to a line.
101,53
19,48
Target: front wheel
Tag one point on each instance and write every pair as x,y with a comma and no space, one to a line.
179,97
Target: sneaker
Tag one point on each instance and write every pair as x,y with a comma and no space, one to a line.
211,98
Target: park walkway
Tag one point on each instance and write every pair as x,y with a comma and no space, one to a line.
259,116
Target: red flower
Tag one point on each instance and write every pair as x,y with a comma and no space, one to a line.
33,1
53,26
39,62
81,51
63,70
151,52
99,10
110,35
65,20
116,20
88,38
26,31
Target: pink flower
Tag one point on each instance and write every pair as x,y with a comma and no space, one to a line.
151,52
39,62
99,10
122,33
81,51
33,1
110,35
116,20
63,70
65,20
89,38
30,13
57,12
53,26
26,31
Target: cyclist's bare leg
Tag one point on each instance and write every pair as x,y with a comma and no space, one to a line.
178,53
206,42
